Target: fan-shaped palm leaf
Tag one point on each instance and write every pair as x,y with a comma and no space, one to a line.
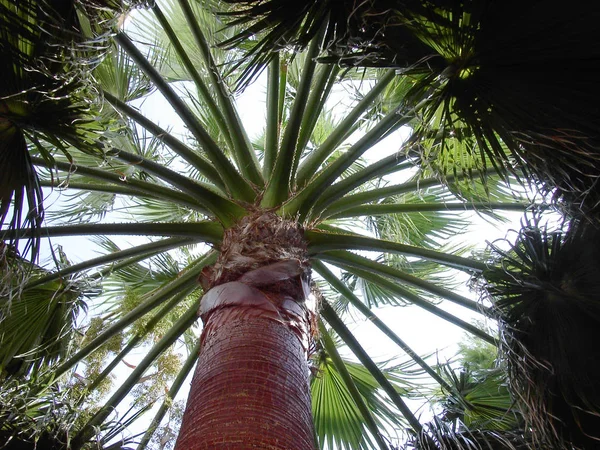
37,325
333,404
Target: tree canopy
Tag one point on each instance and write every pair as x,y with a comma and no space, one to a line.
472,126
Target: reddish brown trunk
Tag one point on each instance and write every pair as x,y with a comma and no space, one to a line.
251,386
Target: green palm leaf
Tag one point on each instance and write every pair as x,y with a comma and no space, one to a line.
37,325
340,424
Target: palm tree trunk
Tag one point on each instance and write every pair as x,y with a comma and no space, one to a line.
251,385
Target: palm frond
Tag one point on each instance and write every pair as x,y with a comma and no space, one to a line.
479,400
428,230
438,435
37,324
333,407
118,75
352,31
30,420
481,102
337,409
487,109
45,103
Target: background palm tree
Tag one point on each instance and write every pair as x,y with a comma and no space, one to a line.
248,219
46,104
548,311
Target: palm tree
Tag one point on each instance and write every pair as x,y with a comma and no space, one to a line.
548,311
287,235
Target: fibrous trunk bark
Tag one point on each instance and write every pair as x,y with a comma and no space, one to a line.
251,385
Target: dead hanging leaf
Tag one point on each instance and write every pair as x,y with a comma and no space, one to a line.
131,366
234,293
291,306
273,273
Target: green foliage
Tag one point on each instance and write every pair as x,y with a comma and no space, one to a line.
477,98
315,170
476,409
49,50
34,415
339,424
475,355
153,386
30,420
165,436
36,324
